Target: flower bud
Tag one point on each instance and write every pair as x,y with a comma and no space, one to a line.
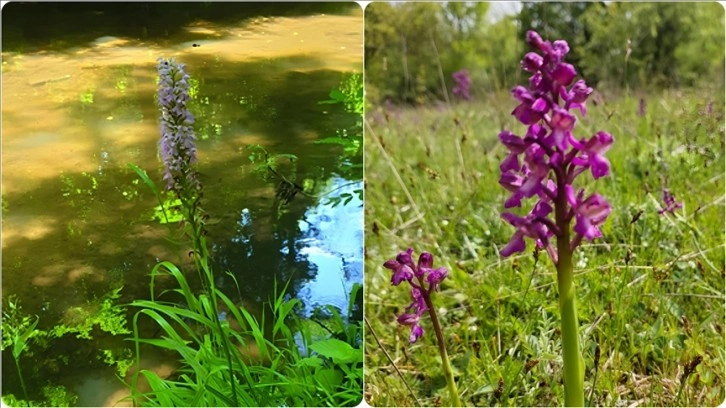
532,62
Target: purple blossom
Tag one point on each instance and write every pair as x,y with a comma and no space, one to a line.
463,82
546,160
423,279
177,145
671,205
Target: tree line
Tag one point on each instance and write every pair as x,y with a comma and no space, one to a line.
412,49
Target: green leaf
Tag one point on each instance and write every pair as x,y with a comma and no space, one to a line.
336,96
21,342
313,361
338,351
329,378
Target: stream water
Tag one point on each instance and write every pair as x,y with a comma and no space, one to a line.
76,222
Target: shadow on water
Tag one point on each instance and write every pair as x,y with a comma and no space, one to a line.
79,223
28,26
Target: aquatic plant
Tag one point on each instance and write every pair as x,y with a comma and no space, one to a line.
17,330
177,144
552,159
230,356
178,154
424,281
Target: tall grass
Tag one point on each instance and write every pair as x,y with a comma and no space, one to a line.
651,291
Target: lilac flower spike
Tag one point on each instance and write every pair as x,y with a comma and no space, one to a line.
546,160
423,279
177,145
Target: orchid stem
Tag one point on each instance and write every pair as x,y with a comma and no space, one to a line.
448,373
574,373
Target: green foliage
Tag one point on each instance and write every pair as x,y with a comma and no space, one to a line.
59,396
122,359
350,95
267,365
86,98
54,396
400,62
108,316
650,291
412,49
338,360
17,328
262,160
169,211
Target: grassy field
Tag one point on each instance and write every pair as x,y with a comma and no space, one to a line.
650,291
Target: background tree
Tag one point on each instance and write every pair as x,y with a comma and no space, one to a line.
413,48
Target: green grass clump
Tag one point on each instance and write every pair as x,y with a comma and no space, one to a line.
650,291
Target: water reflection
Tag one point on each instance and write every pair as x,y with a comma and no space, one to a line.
330,240
78,222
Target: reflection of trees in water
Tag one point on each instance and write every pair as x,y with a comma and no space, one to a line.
263,251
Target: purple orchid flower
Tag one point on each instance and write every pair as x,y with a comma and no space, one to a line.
671,205
463,82
423,279
546,160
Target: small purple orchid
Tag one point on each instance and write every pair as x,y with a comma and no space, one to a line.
424,280
671,205
463,82
546,160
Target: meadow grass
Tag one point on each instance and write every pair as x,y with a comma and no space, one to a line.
650,292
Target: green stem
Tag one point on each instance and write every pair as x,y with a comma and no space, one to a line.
448,372
201,259
22,382
574,373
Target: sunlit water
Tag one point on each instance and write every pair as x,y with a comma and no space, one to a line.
78,223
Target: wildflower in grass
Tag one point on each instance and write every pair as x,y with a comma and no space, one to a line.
543,164
177,145
641,107
424,280
463,82
671,205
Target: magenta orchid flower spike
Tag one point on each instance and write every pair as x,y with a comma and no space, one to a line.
424,280
671,205
543,164
546,160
